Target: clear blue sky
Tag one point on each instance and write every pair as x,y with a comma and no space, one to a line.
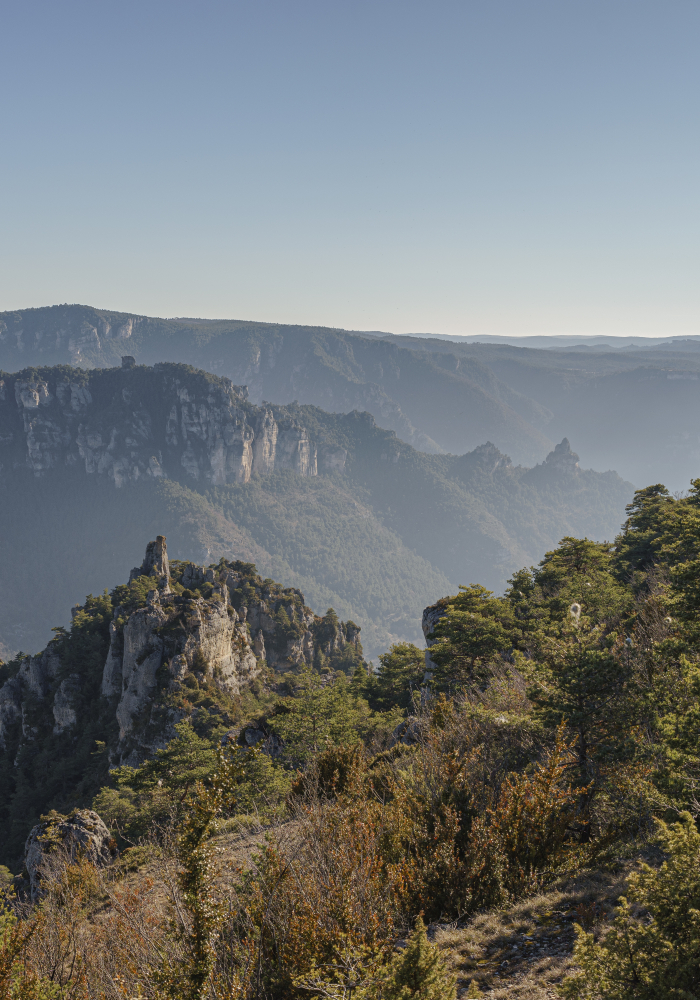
456,167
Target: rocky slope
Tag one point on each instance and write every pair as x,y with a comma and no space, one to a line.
131,423
110,689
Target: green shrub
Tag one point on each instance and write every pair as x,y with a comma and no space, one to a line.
653,948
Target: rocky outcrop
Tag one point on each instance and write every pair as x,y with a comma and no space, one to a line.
175,628
431,616
133,422
64,708
562,459
59,839
155,564
34,679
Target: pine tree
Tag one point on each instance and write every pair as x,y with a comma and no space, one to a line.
582,681
419,972
476,627
401,673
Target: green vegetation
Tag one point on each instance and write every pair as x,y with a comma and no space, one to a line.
57,769
554,734
659,954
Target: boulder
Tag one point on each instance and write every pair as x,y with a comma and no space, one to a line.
64,838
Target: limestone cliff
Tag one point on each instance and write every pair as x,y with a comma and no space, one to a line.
174,627
133,422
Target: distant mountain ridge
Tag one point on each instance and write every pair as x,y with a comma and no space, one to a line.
433,404
634,408
93,461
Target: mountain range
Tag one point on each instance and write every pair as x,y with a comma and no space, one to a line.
92,461
634,409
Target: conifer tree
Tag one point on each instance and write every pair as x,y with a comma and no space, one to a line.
582,680
659,955
476,627
401,673
419,972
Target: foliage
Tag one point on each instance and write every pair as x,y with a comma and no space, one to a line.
189,978
475,628
419,971
458,846
321,710
399,678
17,982
160,789
416,973
653,947
58,770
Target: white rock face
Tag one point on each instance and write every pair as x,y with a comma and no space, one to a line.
37,672
207,428
112,673
188,634
64,712
142,656
35,677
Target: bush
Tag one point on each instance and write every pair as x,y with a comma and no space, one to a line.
653,948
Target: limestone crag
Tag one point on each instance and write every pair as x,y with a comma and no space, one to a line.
34,679
133,422
174,627
81,338
563,459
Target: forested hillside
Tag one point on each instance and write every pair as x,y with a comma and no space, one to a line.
94,461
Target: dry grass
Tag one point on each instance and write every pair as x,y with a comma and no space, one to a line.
525,951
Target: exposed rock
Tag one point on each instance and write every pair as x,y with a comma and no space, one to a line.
159,421
112,672
253,736
142,656
563,459
64,711
60,838
407,732
195,629
431,616
35,677
259,645
155,564
331,458
269,743
37,672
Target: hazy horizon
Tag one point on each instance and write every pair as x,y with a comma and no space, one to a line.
467,169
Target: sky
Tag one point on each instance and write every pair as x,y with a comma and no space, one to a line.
479,166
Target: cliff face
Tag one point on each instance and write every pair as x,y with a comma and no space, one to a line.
132,423
172,628
433,402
